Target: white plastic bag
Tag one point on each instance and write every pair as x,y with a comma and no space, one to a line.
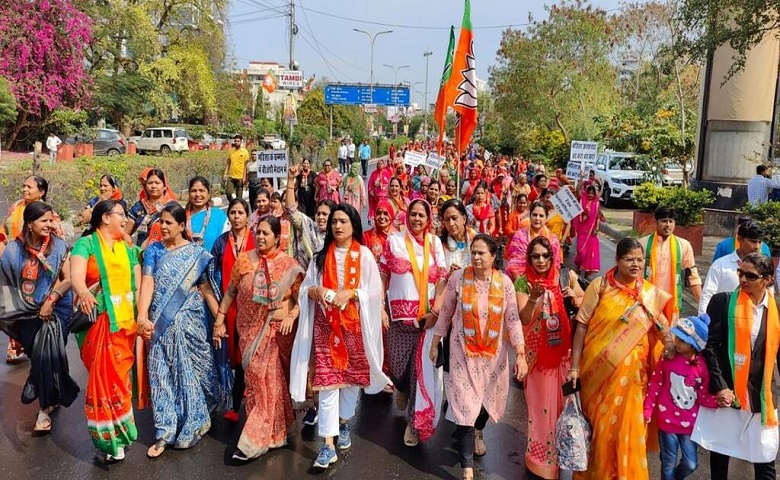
572,436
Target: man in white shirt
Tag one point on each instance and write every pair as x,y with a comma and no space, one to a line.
350,153
722,276
760,186
52,142
343,152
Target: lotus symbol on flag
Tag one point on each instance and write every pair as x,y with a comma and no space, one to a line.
468,86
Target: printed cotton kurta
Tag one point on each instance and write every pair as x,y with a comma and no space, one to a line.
475,382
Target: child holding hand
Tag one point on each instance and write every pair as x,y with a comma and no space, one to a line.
677,389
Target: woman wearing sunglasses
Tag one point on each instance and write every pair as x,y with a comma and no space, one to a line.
741,352
547,330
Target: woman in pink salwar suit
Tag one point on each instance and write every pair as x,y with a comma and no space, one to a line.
378,184
586,225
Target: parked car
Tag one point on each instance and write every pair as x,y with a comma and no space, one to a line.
105,141
162,139
202,143
275,141
619,174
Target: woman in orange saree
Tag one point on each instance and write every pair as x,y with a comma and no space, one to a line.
621,331
106,274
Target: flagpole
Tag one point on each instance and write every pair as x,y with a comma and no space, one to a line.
457,159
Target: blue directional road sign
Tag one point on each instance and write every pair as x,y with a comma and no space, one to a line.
351,94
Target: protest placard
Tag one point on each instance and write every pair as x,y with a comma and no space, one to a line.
434,161
582,156
272,163
566,204
413,158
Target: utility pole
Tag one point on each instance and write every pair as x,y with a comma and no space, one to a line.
395,92
427,56
293,32
372,38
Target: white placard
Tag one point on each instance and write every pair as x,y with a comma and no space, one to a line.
566,204
582,156
434,161
272,163
413,158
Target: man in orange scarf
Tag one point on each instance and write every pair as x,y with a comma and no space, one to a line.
669,261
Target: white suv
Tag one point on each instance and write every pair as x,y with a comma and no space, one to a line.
162,139
619,173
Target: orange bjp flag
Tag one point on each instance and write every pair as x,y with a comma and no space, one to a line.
269,82
462,84
440,112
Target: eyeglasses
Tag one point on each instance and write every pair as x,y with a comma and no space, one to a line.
327,165
123,214
539,256
633,260
749,276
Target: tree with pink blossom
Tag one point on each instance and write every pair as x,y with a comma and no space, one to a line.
42,46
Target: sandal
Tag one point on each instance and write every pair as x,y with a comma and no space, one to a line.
480,449
157,449
468,474
120,455
43,422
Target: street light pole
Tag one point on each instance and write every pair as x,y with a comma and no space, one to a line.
395,83
427,56
372,38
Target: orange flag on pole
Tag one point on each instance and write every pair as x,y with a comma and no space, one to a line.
463,83
269,82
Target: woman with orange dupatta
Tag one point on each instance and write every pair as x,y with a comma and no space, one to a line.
547,332
106,276
482,217
265,283
378,183
622,330
413,270
228,247
326,184
741,358
109,190
34,189
399,203
144,215
376,238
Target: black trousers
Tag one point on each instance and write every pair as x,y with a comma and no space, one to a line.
254,187
466,437
343,165
719,468
364,166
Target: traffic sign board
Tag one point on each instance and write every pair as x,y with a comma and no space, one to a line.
357,94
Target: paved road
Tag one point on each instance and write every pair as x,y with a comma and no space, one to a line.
377,451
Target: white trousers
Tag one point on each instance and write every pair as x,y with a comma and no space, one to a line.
336,404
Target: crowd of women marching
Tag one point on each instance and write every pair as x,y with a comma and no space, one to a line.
285,304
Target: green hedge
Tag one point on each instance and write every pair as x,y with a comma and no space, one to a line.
72,184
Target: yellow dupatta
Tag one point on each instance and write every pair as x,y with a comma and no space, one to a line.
420,274
118,287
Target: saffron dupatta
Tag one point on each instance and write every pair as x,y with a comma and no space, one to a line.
652,252
349,317
549,337
740,321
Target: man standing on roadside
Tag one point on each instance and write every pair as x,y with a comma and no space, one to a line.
722,276
365,156
669,261
235,169
343,151
52,143
759,187
350,152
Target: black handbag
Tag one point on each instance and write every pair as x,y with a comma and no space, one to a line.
80,321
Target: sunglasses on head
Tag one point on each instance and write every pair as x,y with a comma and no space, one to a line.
750,276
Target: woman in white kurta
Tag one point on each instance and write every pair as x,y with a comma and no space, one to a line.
413,269
340,326
481,308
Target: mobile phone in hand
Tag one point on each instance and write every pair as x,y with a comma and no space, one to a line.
569,389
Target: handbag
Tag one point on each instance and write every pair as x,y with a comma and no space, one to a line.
572,436
80,321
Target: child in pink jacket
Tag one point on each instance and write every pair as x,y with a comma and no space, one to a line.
677,388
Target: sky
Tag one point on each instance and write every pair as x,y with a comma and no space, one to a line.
328,47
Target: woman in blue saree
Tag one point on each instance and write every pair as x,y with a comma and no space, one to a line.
35,293
172,314
204,223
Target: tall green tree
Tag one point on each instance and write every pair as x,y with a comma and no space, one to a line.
7,105
557,74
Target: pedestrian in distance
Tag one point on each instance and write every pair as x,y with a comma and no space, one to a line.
234,176
53,143
365,156
480,308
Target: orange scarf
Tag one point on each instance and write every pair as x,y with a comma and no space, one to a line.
420,275
740,318
479,343
349,318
